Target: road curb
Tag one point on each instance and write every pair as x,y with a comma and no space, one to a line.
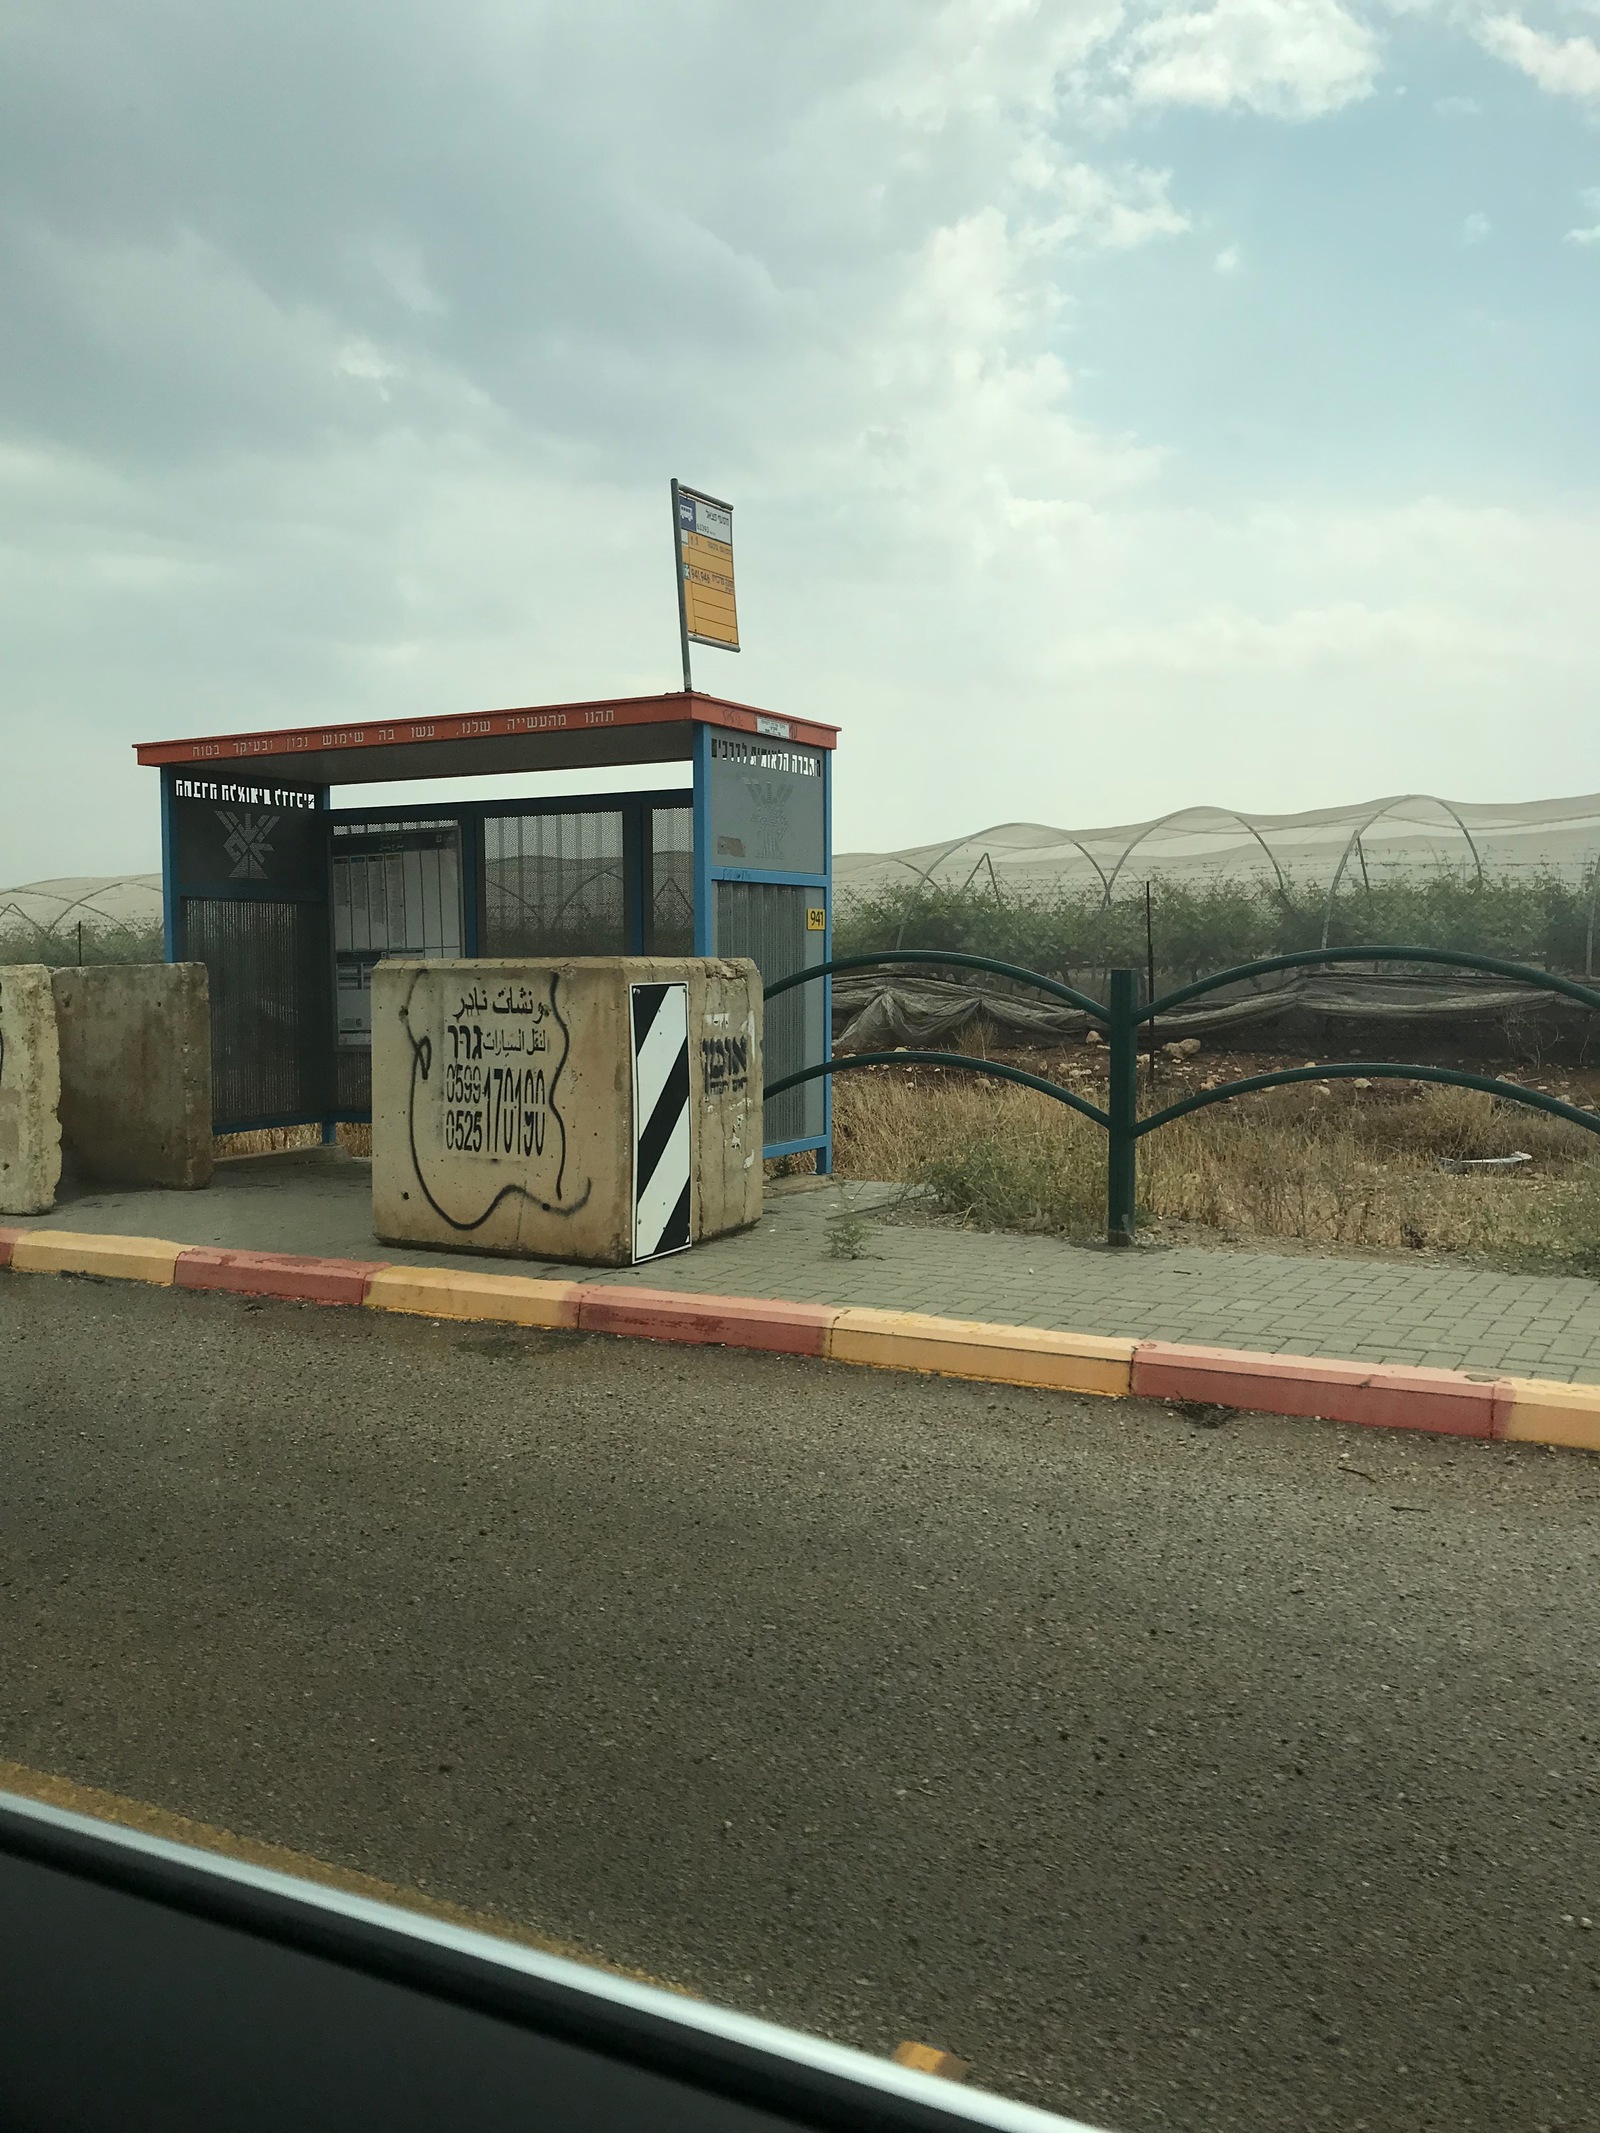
288,1275
1446,1403
444,1292
1551,1411
65,1251
710,1321
978,1348
1453,1403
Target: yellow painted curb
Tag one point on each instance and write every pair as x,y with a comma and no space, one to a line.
443,1292
970,1348
1546,1411
64,1251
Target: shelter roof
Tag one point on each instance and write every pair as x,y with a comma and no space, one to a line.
613,730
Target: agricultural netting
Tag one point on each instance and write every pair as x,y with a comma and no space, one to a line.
1068,931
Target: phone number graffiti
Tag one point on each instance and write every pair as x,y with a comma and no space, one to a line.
494,1110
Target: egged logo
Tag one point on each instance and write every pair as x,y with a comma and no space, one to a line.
248,842
769,807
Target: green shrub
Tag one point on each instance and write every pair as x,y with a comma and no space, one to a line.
1063,931
60,946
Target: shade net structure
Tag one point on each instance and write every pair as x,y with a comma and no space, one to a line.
78,916
1401,833
1209,888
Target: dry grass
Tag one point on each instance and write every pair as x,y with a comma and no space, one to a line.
1356,1168
1336,1166
283,1140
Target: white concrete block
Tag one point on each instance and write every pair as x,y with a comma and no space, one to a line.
506,1106
30,1091
136,1072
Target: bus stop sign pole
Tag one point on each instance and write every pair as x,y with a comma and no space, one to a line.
683,609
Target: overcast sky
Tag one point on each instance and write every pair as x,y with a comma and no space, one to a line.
1123,406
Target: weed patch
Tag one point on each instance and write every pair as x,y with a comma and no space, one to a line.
1323,1166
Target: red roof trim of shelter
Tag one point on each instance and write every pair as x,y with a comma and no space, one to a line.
309,745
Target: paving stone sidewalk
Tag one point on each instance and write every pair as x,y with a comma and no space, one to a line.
1378,1310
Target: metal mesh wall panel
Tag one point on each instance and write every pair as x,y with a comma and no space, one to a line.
553,884
270,1007
767,922
671,905
352,1077
397,893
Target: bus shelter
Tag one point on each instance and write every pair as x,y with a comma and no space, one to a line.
290,901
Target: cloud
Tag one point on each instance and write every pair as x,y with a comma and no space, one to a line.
1475,227
347,349
346,353
1284,58
1563,66
1589,233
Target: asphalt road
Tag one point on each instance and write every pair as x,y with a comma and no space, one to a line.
1219,1779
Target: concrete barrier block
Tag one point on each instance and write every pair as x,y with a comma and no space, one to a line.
504,1100
712,1321
30,1091
1546,1411
136,1072
973,1348
289,1275
725,1083
445,1292
1380,1396
63,1251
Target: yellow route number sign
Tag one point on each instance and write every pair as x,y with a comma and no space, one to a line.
816,918
705,567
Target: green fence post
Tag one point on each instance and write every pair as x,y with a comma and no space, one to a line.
1122,1104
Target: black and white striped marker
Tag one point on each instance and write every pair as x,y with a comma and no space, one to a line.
660,1120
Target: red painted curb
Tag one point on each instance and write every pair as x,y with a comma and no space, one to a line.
8,1237
720,1321
1378,1396
285,1274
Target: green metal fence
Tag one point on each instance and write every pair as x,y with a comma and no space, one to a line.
1122,1016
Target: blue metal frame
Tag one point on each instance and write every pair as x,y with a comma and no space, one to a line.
779,880
170,944
469,817
276,1122
634,885
471,883
804,1146
706,877
330,1131
705,907
825,1152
